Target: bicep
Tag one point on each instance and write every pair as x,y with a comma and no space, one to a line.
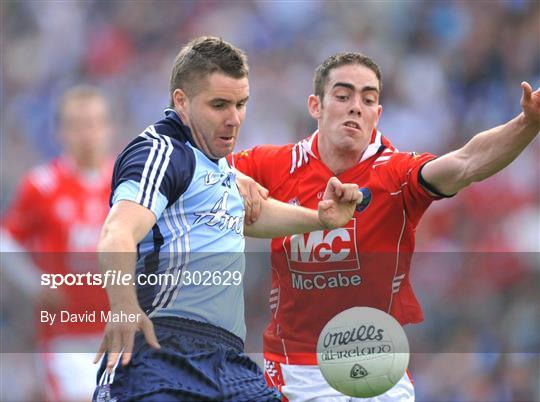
445,175
129,220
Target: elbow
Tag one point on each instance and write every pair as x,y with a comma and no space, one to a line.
113,238
465,171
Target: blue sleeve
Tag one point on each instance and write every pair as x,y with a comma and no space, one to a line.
153,171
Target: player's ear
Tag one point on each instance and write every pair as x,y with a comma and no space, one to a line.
379,111
314,106
179,99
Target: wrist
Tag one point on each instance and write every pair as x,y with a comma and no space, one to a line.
123,300
528,122
322,224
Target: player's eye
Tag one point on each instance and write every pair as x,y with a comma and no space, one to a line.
218,105
369,101
342,98
241,105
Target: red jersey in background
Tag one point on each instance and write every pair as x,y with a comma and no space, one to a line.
57,216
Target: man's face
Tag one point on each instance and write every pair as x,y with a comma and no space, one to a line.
85,128
215,113
350,109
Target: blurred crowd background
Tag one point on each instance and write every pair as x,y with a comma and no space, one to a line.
450,70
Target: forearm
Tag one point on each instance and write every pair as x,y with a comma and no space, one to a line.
118,253
493,150
484,155
278,219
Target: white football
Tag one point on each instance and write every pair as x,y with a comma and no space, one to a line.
362,352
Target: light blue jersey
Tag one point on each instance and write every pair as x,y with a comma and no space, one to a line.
191,263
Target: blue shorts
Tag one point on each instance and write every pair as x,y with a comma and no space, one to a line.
196,362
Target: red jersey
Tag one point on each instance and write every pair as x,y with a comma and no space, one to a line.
57,216
365,263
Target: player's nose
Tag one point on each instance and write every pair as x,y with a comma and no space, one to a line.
235,118
356,107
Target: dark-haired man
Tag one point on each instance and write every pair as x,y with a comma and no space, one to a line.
176,229
365,263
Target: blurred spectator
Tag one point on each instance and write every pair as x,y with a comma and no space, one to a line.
53,226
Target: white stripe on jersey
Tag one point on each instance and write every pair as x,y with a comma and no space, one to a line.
146,167
185,254
397,259
163,168
178,262
299,156
397,283
175,251
107,379
150,183
111,378
307,144
293,156
104,375
373,147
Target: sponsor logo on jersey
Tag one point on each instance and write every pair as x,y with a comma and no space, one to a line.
323,251
324,259
212,178
324,281
243,154
220,217
366,200
227,181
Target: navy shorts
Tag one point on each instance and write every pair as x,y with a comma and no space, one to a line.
196,362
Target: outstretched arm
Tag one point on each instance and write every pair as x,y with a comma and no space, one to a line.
487,152
279,219
125,226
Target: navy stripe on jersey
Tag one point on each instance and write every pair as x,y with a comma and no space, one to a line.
151,264
160,161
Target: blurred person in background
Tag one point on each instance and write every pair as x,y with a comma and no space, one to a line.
317,275
53,226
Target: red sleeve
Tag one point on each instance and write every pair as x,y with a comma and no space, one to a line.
416,198
22,219
261,163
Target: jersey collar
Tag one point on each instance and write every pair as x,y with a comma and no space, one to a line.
310,145
184,132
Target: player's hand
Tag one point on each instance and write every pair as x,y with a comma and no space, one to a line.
338,203
119,336
253,194
530,103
